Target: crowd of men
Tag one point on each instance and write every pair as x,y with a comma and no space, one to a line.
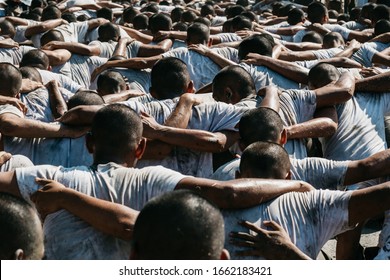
193,129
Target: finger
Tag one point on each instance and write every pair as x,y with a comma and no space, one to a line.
43,181
144,114
239,243
242,235
273,225
251,226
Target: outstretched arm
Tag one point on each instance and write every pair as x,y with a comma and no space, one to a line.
241,193
108,217
378,83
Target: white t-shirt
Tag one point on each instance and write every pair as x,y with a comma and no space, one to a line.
64,81
14,55
137,79
68,237
310,218
344,32
367,51
16,161
360,131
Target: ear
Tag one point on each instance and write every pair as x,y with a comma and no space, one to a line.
90,143
288,175
210,42
283,137
190,87
225,255
19,254
228,93
139,151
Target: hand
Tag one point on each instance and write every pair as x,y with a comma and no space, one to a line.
161,35
29,85
369,72
253,58
353,44
47,199
191,98
53,45
244,33
98,71
14,102
271,244
305,187
150,126
201,49
4,157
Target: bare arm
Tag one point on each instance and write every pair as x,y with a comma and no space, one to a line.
323,125
368,202
241,193
73,47
378,83
107,217
139,36
121,47
297,55
122,96
337,93
80,115
375,166
290,70
57,57
12,125
152,50
270,97
43,27
199,140
216,58
57,103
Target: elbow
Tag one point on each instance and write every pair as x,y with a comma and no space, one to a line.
7,127
330,128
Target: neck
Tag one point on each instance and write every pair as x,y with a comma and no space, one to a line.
118,159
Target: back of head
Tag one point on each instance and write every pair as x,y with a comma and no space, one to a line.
241,23
312,37
255,44
239,82
367,10
203,20
382,26
169,78
284,10
151,7
116,129
35,58
380,12
85,97
11,80
21,231
141,22
176,14
335,5
295,16
7,29
52,35
105,13
31,73
206,10
108,31
198,33
188,17
251,15
260,124
160,22
178,225
322,74
50,12
129,14
227,26
265,160
355,13
179,26
316,12
233,11
243,3
110,82
69,17
332,40
38,4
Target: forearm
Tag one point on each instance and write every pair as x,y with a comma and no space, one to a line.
43,27
271,98
80,115
219,60
57,103
107,217
375,166
121,48
288,69
180,116
122,96
78,48
242,193
199,140
303,46
320,127
297,56
378,83
57,57
135,63
139,36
